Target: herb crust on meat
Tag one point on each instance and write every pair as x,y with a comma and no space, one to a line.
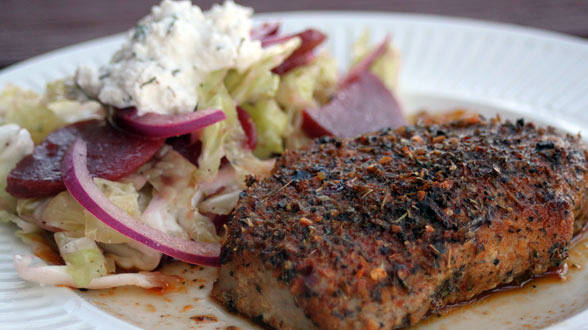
384,229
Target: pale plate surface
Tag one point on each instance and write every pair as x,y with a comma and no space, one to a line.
447,63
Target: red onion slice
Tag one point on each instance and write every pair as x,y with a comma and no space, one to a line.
164,126
304,54
294,62
366,62
248,127
309,40
264,30
80,185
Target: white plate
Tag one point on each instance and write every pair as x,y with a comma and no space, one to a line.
447,63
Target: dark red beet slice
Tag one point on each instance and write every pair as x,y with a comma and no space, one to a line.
363,106
188,146
310,39
218,220
265,30
112,154
249,128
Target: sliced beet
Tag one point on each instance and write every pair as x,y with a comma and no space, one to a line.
363,106
248,127
265,30
188,146
112,155
219,220
309,38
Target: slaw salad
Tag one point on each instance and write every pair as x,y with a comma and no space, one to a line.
208,98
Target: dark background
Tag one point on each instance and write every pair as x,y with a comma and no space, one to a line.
33,27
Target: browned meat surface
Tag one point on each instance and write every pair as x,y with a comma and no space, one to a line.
382,230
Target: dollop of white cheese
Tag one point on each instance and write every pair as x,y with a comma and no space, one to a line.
169,53
15,143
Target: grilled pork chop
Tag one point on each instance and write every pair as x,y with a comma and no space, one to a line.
384,229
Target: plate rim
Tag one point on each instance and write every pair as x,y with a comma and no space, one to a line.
461,22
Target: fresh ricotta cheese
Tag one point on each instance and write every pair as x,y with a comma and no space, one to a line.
15,143
169,53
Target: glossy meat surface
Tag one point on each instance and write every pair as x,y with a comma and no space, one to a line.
382,230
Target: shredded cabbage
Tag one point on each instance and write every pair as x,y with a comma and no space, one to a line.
208,88
58,275
255,89
65,213
27,109
173,208
271,123
259,81
132,255
122,195
29,211
245,163
386,67
28,206
255,83
213,136
222,203
161,216
225,139
42,114
25,226
83,258
310,85
69,104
